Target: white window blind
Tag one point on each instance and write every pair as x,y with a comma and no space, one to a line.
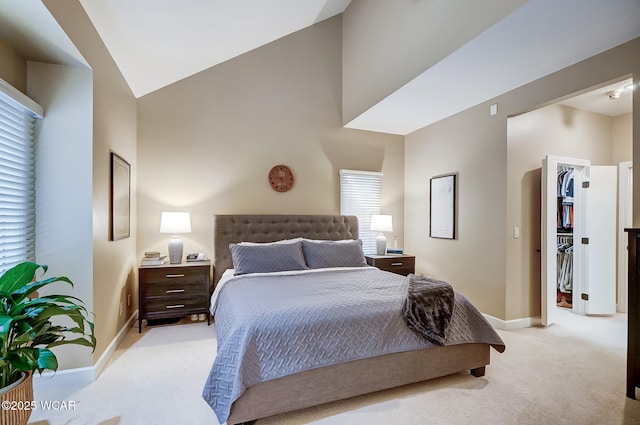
361,195
17,183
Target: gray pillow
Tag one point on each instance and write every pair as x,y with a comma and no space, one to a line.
266,258
346,253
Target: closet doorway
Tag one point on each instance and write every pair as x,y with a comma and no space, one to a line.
578,237
611,102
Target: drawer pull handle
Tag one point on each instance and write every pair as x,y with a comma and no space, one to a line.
175,275
174,291
396,264
175,306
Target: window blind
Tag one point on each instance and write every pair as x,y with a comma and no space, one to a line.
17,183
361,195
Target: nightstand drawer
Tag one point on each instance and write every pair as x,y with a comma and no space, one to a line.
173,306
174,287
395,263
183,275
400,264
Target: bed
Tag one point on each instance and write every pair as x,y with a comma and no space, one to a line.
260,372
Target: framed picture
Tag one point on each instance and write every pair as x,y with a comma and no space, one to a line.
442,207
120,198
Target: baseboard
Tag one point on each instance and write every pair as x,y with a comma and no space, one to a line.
102,362
508,325
82,376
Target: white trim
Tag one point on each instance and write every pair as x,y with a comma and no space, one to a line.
625,196
79,376
82,376
509,325
21,99
102,362
367,173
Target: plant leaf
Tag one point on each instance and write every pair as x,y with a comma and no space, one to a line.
18,277
5,327
23,292
46,360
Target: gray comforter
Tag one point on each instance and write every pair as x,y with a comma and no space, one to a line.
272,326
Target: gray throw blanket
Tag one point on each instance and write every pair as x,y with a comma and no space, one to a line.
428,307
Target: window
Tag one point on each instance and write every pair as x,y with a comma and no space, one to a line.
361,195
17,178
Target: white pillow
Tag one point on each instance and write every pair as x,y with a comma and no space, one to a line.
284,241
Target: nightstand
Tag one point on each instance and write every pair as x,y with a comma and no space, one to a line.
400,264
173,290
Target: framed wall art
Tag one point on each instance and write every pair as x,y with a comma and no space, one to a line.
120,201
442,207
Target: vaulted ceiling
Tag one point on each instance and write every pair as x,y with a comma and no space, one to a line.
158,42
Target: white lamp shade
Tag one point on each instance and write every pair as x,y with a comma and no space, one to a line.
175,222
381,223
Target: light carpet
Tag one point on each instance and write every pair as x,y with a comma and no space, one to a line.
570,373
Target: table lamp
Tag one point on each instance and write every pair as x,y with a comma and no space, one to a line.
175,222
381,223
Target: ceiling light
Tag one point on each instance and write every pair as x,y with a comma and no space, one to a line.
613,95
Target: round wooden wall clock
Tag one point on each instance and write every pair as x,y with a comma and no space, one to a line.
281,178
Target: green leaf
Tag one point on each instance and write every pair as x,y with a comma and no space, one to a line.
23,292
5,327
46,360
18,277
78,341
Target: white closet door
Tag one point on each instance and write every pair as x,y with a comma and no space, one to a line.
600,279
549,184
549,240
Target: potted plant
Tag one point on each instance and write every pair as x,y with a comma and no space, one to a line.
27,334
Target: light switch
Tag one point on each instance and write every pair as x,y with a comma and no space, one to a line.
516,232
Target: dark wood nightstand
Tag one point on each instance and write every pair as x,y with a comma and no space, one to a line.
401,264
173,290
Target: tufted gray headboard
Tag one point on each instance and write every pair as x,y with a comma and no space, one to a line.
269,228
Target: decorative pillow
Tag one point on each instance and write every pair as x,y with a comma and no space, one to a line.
346,253
265,258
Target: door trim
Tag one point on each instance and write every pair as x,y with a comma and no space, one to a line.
625,202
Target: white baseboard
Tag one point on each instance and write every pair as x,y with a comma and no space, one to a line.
111,349
76,377
508,325
82,376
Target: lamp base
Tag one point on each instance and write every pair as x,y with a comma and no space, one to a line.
381,244
175,250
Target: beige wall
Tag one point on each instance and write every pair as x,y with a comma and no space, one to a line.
113,129
474,144
207,143
622,138
388,43
554,130
13,68
474,262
